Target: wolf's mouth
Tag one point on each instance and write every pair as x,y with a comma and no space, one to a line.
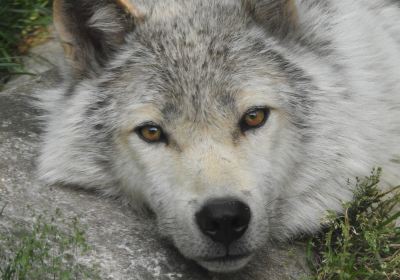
227,258
225,264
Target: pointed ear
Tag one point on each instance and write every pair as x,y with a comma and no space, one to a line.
91,31
278,16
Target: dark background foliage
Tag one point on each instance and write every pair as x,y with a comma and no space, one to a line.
23,23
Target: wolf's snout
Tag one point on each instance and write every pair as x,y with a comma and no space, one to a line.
224,220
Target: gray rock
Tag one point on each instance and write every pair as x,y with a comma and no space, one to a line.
125,245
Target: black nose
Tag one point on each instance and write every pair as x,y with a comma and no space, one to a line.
224,220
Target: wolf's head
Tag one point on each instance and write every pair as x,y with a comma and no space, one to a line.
206,112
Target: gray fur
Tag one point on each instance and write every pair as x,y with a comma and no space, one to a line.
330,75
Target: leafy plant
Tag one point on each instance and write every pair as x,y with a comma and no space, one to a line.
48,249
22,23
364,242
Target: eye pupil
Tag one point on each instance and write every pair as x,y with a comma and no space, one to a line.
150,133
253,115
152,130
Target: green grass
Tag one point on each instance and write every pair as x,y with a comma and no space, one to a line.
364,242
50,248
22,22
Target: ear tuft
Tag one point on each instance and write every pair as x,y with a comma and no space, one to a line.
279,17
130,8
91,31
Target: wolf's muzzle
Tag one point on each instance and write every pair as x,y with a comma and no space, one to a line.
224,220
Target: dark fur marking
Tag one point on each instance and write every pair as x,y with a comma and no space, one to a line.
170,111
103,162
92,109
69,92
99,126
236,136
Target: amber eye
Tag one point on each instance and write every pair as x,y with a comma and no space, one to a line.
150,133
254,118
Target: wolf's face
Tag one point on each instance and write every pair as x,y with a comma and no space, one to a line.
195,109
209,135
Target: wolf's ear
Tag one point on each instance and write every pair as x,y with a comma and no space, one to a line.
278,16
91,31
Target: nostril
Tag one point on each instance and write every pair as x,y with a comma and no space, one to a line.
215,225
236,222
224,220
212,228
239,225
211,232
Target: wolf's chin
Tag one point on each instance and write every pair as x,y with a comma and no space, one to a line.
225,265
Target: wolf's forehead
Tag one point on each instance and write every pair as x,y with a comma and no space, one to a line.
193,62
192,93
201,12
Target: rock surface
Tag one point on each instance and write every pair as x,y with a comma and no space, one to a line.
125,246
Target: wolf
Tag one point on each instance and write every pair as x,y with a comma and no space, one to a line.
237,122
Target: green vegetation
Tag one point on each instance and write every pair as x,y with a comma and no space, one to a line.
48,249
22,24
364,242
